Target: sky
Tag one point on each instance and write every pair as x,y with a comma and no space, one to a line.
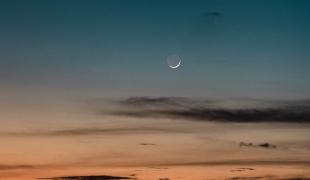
254,48
85,89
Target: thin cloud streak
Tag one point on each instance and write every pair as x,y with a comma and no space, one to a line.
239,162
103,177
180,163
15,167
195,110
91,131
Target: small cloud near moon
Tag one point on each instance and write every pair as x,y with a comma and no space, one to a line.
213,13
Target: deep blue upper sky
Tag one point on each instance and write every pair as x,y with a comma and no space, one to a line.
249,48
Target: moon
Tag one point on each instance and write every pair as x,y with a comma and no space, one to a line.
174,61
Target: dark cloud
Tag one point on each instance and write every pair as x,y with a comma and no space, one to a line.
241,169
247,178
147,144
236,170
191,109
154,101
249,169
213,13
262,145
267,145
151,102
87,178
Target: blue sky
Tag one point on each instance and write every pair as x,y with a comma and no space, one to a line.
254,48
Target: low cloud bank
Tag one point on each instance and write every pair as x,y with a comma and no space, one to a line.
209,110
87,178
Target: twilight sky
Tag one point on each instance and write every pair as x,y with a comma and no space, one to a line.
85,89
238,48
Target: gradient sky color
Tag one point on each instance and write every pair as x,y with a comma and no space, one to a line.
254,48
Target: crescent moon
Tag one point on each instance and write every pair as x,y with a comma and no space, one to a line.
176,66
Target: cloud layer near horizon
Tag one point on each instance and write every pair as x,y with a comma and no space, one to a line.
209,110
90,131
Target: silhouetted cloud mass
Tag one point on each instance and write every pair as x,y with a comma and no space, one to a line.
262,145
87,178
198,110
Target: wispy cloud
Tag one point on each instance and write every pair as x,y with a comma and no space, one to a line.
15,166
90,131
239,162
213,13
198,110
87,178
